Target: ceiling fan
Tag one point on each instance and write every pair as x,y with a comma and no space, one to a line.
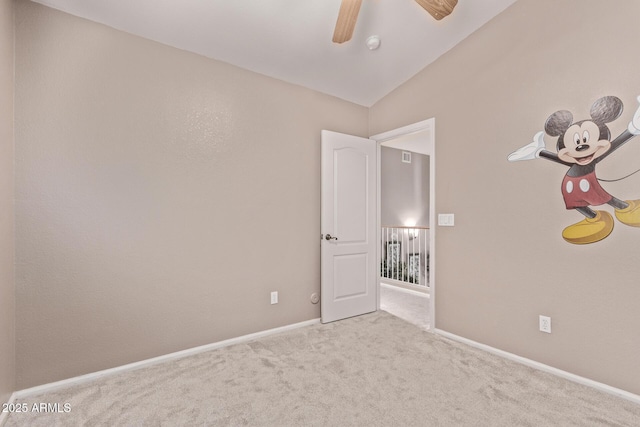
349,14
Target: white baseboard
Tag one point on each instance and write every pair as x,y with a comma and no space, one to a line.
5,415
545,368
21,394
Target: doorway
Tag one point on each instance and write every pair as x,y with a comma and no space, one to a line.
416,138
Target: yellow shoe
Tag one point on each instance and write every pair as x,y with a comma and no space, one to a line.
631,214
589,230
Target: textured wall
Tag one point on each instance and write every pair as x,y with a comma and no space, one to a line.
7,288
404,188
504,262
161,196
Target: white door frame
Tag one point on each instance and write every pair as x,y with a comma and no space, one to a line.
430,125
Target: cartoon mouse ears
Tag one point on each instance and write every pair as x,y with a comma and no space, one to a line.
604,110
558,123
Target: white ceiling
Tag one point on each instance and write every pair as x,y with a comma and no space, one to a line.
291,39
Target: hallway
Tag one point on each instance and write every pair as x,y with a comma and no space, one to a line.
407,305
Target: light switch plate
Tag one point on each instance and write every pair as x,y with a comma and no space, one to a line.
446,220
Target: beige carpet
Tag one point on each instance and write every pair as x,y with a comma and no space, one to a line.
372,370
406,305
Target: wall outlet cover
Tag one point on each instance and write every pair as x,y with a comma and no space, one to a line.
545,324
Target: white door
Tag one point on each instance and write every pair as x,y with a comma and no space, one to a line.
348,217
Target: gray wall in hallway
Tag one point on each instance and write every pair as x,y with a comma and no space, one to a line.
404,188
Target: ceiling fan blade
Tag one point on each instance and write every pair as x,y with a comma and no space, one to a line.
346,20
438,8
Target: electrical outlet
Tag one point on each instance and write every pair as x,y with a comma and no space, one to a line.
545,324
274,297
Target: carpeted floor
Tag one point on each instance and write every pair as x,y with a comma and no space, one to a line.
408,306
372,370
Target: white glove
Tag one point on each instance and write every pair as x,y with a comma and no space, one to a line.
530,151
634,124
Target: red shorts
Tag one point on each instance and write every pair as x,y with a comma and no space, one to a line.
583,191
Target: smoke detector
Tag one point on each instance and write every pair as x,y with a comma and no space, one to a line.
373,42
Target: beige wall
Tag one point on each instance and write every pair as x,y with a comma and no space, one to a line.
7,288
160,197
505,263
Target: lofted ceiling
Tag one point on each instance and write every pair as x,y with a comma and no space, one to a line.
291,39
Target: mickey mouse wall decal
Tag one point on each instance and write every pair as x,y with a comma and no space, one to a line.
580,146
